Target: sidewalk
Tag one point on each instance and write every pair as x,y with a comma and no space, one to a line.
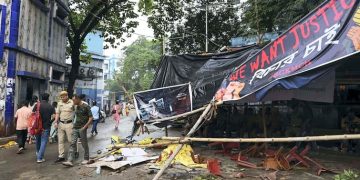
24,166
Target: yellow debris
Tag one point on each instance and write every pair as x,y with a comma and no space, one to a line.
8,145
116,152
146,141
183,157
115,140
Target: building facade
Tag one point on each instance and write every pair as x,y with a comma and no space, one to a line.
91,76
32,53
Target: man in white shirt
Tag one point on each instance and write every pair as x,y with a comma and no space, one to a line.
95,110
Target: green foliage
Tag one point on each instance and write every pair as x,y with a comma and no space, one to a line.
146,5
347,175
113,18
183,21
259,17
140,64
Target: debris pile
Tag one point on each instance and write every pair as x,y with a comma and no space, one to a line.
272,159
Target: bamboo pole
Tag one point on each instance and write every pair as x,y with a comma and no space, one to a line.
264,122
264,119
178,148
270,140
177,116
149,145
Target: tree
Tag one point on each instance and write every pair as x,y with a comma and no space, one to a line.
140,63
113,18
183,21
261,17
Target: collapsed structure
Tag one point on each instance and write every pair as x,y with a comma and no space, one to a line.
306,77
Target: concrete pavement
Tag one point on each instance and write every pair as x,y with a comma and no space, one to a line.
24,166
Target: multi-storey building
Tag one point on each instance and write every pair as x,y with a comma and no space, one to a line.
32,53
91,79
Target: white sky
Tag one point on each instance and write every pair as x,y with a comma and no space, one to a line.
142,29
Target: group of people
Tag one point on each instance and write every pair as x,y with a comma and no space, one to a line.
71,118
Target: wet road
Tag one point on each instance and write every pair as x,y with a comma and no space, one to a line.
24,166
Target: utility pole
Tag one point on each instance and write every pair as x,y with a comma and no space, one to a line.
206,27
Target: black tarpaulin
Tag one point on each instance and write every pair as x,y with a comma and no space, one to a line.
205,72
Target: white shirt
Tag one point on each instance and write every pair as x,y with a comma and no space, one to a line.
95,112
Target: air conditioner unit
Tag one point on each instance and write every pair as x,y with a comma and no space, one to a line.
82,71
91,72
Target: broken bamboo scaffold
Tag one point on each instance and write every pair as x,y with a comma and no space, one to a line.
266,140
177,116
191,132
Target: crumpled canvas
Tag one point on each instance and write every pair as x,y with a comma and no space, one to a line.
183,157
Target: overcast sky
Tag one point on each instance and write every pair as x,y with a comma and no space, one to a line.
142,29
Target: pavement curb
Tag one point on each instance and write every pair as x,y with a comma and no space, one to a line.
4,140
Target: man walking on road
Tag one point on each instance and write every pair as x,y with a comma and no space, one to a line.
95,110
83,118
64,122
46,111
21,118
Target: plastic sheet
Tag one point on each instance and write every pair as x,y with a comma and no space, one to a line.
183,157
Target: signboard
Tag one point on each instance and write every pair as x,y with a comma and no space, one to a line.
163,102
329,34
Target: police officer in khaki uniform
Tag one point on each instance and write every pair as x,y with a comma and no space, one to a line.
64,122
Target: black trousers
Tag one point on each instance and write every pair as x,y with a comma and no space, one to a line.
21,137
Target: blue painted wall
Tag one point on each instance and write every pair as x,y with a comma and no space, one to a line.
11,69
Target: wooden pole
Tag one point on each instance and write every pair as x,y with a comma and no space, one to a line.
264,122
148,145
269,140
166,130
264,119
178,148
177,116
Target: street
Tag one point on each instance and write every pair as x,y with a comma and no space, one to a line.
24,166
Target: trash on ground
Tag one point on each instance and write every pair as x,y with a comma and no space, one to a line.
184,157
131,152
8,145
269,176
118,164
115,140
213,166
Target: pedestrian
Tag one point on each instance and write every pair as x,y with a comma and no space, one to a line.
53,130
46,112
116,113
33,101
64,122
83,99
95,110
31,105
83,119
21,118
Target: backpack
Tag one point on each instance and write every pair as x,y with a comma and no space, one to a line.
35,121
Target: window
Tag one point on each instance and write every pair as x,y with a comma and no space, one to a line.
57,75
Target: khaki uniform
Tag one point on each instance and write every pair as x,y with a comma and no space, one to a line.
65,127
